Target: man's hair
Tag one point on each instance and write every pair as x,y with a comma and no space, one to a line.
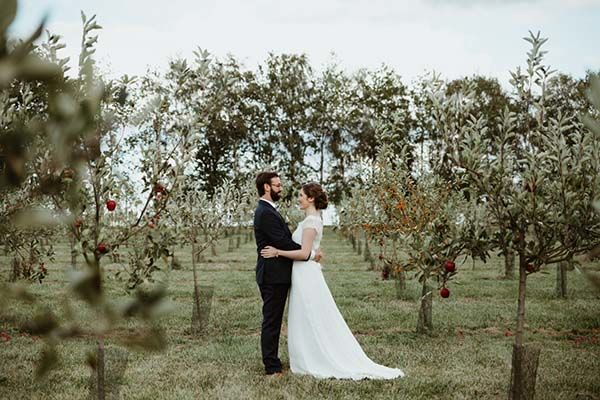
262,178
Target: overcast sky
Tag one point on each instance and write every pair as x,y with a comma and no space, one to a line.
453,37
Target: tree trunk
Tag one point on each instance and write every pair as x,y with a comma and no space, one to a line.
525,360
371,266
230,245
400,284
16,269
197,256
561,279
425,323
33,256
73,251
367,253
100,384
522,290
238,239
111,363
196,309
322,160
201,308
509,263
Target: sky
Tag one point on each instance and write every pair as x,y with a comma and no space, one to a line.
453,37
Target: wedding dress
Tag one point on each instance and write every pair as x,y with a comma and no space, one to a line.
319,340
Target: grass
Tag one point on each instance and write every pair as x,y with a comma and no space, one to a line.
467,357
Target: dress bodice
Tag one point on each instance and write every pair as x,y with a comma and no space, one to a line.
311,221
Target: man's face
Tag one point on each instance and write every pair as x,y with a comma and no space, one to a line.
275,189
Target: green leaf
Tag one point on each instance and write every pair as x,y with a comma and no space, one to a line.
33,68
150,340
593,278
48,361
35,217
8,12
87,285
91,359
41,324
17,291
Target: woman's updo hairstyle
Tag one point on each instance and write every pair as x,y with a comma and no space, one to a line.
315,191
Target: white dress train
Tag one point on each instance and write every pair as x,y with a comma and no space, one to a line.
319,340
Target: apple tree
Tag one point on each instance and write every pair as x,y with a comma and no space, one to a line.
538,184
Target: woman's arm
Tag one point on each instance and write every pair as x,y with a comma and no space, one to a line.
308,237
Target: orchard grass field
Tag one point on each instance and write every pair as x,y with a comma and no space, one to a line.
467,357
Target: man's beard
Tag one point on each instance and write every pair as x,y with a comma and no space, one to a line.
275,196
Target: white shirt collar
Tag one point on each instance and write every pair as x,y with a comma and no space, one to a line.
270,202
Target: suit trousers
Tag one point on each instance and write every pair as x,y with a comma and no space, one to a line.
274,297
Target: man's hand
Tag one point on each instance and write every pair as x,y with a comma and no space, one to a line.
318,256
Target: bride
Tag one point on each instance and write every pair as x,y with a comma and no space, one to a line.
319,340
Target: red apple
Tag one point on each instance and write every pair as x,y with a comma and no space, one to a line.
78,223
381,257
158,188
449,266
111,205
102,249
530,268
445,292
68,173
385,274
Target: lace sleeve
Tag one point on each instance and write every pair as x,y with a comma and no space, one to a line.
313,222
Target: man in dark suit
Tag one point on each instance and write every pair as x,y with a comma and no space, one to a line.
273,275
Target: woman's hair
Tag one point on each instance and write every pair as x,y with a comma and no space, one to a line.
315,191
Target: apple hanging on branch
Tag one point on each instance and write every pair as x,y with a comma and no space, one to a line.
445,292
450,266
111,205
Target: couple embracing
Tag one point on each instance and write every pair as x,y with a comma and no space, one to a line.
320,343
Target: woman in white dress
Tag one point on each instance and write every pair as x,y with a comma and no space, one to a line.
319,340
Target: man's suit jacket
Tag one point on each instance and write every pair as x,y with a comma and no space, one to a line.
271,230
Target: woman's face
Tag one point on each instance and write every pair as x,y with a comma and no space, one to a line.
303,201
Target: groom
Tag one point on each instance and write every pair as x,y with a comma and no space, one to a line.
273,275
